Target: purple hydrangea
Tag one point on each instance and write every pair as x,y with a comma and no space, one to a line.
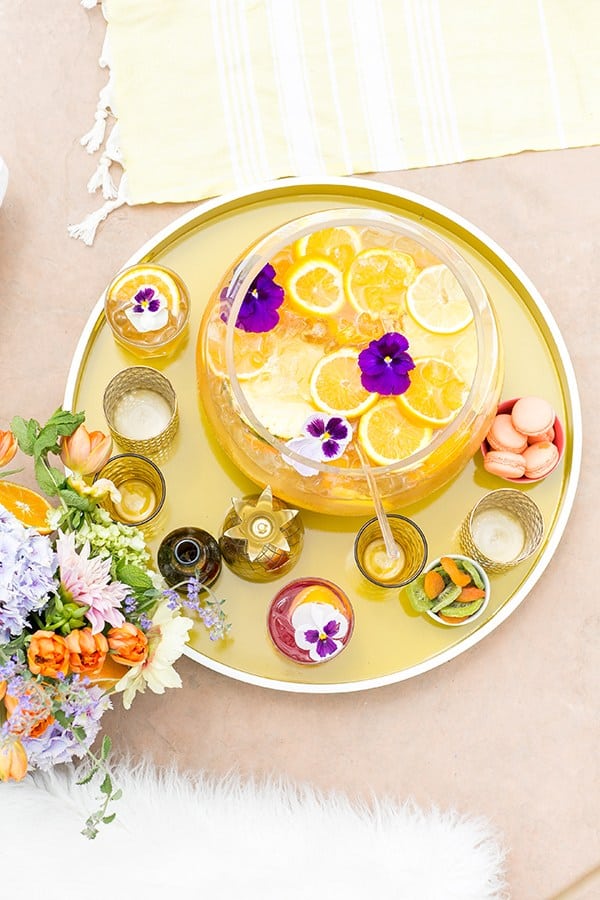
258,311
385,364
58,744
27,569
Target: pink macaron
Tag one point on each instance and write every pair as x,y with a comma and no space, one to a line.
504,436
504,464
532,416
540,459
549,435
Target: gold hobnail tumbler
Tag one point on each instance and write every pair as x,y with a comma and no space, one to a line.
135,378
519,506
409,538
128,467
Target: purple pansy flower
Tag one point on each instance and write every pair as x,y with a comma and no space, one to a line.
385,364
258,311
322,440
146,299
320,629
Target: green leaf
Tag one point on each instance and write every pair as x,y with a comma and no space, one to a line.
65,422
106,747
79,732
108,819
117,795
75,500
48,478
61,718
25,433
134,576
87,778
46,441
106,786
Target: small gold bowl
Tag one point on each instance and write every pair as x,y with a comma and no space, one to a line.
139,382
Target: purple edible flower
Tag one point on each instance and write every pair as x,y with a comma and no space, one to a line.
258,311
146,299
322,440
384,364
320,629
323,639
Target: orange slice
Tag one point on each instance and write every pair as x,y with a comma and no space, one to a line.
26,505
339,244
388,436
126,287
436,392
376,280
315,285
437,302
335,385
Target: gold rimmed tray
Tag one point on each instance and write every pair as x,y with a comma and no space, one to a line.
390,643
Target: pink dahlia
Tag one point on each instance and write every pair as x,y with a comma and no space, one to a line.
86,581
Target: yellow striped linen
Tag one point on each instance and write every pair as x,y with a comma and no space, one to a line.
215,95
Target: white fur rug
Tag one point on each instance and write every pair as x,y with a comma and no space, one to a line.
191,837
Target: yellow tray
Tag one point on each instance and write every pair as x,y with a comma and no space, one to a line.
390,642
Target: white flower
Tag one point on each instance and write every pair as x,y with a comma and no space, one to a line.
166,639
319,628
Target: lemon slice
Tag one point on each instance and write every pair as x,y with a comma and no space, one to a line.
284,417
437,302
126,287
339,244
335,385
376,280
388,436
280,396
315,285
436,392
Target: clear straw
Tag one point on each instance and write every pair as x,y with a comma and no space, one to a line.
391,547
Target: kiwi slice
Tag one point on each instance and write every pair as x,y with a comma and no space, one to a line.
415,592
448,596
468,567
459,610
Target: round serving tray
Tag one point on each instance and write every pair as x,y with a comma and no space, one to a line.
390,642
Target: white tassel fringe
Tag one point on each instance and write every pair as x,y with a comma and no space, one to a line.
86,230
93,139
89,4
101,177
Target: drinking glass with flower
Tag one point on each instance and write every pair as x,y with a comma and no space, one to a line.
78,595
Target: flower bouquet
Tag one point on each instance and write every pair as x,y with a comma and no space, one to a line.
83,615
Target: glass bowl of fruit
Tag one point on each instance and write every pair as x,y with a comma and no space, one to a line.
454,590
347,348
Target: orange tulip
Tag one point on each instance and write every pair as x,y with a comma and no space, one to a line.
2,689
87,651
129,645
33,717
86,451
13,760
48,654
8,447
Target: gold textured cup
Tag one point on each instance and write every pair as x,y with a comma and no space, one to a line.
369,547
131,467
507,504
138,378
